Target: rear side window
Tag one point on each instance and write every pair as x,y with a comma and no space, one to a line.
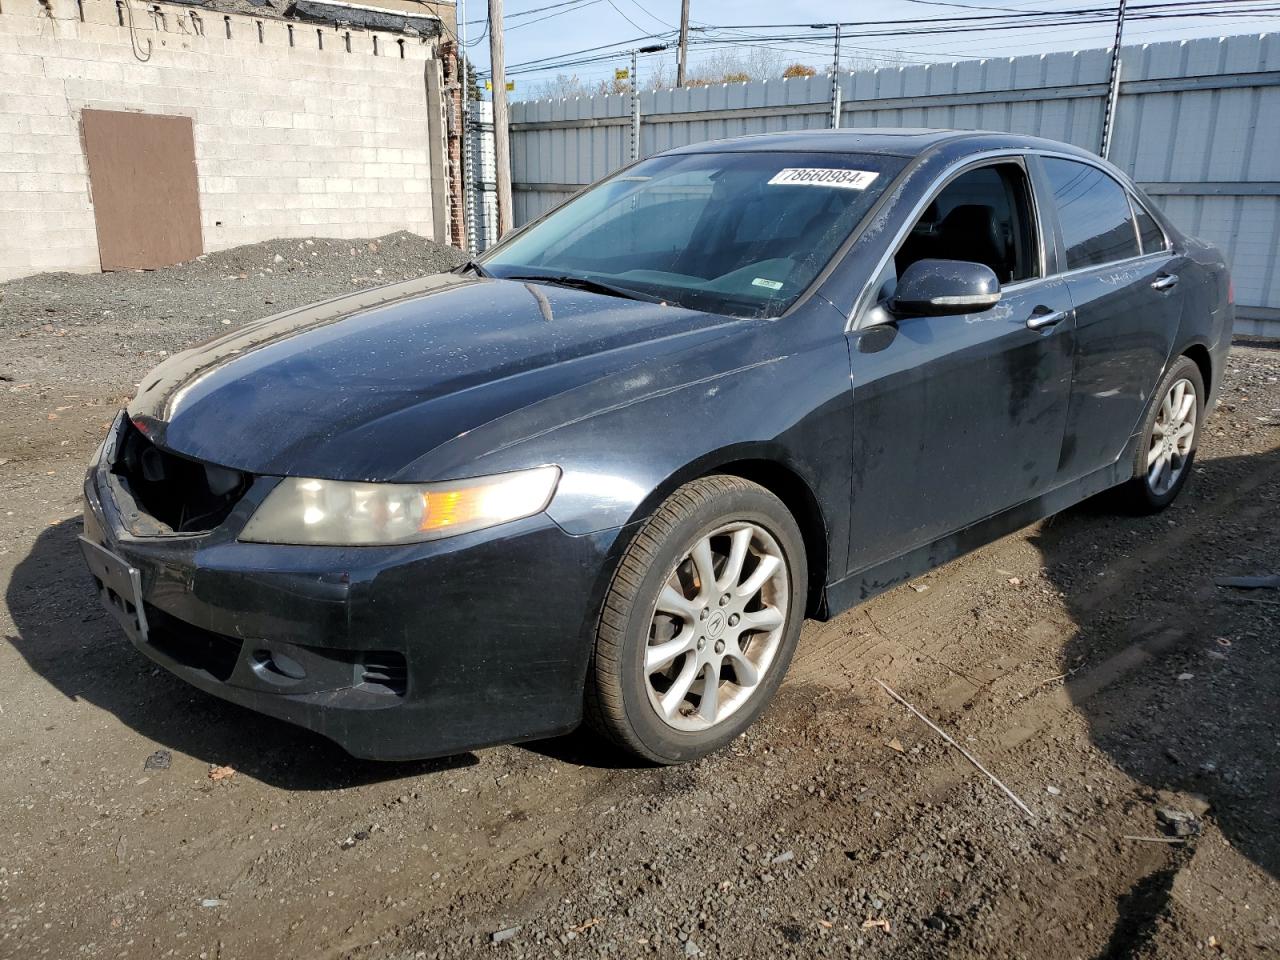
1150,232
1097,223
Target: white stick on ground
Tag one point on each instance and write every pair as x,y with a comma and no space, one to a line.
967,755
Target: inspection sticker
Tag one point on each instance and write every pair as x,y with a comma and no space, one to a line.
824,177
766,283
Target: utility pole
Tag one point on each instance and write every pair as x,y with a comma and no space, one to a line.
682,53
501,136
1113,86
835,85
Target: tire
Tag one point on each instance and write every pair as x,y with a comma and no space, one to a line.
1143,493
644,711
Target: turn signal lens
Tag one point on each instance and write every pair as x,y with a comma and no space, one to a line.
342,513
490,500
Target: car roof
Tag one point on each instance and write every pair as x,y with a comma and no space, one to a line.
894,141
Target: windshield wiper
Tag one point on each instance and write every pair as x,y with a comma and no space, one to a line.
475,267
586,283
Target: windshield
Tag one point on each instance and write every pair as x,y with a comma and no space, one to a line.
736,233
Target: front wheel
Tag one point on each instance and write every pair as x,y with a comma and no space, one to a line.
700,622
1171,430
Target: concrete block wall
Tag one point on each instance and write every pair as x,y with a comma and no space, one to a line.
300,129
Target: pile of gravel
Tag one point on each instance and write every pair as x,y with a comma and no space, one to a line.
56,326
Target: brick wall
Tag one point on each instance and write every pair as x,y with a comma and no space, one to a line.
309,134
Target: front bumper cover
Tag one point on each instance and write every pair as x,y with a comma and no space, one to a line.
470,641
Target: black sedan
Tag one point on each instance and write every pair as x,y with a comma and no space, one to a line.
607,471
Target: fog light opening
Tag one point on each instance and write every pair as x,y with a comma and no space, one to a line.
270,664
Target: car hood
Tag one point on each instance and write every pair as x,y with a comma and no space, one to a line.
361,387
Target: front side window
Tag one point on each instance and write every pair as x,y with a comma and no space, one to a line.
736,233
1097,225
983,216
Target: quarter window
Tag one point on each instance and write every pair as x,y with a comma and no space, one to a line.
1150,232
1097,224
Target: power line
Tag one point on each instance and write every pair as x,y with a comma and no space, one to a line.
988,28
581,4
624,16
963,6
738,34
625,44
1096,27
1100,30
652,16
525,13
1107,12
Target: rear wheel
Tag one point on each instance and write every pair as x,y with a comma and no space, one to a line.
1168,448
700,622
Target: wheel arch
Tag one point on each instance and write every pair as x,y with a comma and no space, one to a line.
796,495
770,469
1199,354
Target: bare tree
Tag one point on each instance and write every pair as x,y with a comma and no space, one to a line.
613,86
563,86
567,85
737,65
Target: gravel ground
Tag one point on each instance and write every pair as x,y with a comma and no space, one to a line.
1090,662
134,318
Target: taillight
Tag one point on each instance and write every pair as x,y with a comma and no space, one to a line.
1231,291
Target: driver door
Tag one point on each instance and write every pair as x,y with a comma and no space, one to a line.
957,418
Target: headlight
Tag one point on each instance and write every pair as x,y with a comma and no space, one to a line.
340,513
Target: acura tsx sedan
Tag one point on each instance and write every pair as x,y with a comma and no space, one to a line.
608,470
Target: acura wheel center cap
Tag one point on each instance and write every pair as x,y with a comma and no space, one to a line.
716,624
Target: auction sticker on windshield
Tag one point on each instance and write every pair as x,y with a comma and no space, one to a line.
824,177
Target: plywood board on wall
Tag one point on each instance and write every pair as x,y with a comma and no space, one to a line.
142,178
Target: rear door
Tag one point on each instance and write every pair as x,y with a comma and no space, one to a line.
1123,279
959,417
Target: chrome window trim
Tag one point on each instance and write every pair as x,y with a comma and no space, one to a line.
1133,219
984,158
1128,188
1134,201
1110,264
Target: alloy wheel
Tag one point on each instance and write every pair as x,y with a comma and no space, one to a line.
1171,437
716,627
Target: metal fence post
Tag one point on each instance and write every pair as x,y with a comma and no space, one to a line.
635,105
1113,86
835,85
468,180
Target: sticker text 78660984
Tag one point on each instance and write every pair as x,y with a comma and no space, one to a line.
823,177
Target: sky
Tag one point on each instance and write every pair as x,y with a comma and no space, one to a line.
564,26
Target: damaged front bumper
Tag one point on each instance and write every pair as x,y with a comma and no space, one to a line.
393,652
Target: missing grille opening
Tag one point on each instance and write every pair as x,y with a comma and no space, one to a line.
185,495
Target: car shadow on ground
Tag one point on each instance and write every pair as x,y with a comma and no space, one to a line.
67,639
1177,678
584,749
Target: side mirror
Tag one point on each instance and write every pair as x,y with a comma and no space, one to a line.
938,288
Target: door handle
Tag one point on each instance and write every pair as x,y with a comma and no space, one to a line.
1166,281
1043,317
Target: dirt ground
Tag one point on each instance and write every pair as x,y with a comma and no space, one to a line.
1090,662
